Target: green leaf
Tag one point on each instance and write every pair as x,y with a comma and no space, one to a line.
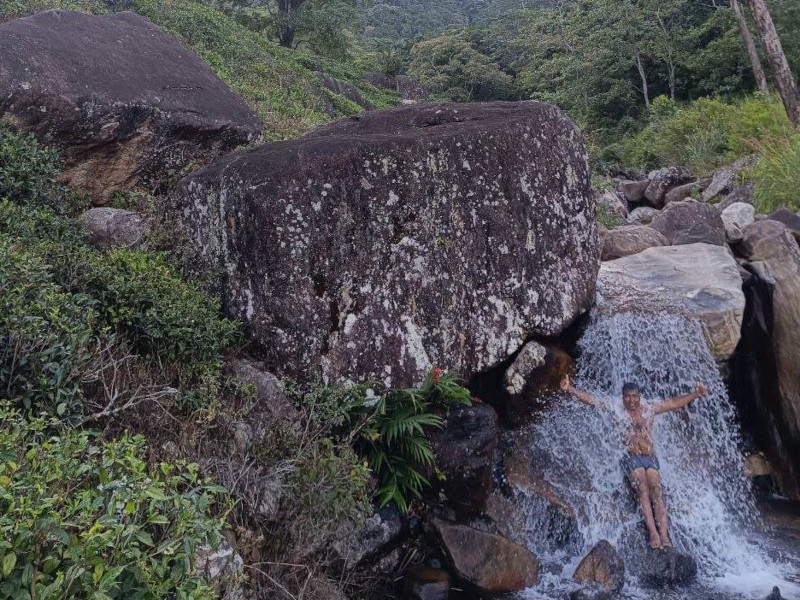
9,562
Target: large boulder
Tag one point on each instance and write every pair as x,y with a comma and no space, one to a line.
741,193
790,219
667,567
700,280
384,244
688,215
611,205
464,452
699,233
358,542
488,562
643,215
128,104
735,218
682,192
775,255
630,239
723,180
602,567
634,190
662,181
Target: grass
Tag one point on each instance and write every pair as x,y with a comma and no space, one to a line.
278,83
777,174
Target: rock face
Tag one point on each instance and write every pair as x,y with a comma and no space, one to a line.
634,190
775,255
602,567
741,193
630,239
270,399
663,180
344,89
115,228
488,562
699,279
688,215
388,243
790,219
126,102
612,205
667,567
354,544
464,452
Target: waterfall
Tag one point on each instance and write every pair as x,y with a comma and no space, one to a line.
579,447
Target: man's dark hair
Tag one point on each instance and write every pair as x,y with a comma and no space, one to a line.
630,387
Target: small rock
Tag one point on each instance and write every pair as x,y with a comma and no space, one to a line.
424,583
221,568
722,182
602,567
682,192
667,567
612,205
634,190
270,399
775,594
114,228
735,218
663,180
489,562
630,239
535,371
356,543
643,215
756,465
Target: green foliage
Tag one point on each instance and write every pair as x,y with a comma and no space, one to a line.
86,519
704,134
47,336
607,219
452,66
777,175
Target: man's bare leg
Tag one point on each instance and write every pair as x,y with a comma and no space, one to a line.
642,488
659,507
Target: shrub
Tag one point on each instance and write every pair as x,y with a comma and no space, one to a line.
27,170
777,175
46,335
86,519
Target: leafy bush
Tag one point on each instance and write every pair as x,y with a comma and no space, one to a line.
46,335
704,134
86,519
27,170
777,175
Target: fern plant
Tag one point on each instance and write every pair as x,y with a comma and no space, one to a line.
392,434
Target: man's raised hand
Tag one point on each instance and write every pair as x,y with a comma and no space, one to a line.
700,390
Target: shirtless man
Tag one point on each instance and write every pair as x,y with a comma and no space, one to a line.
641,464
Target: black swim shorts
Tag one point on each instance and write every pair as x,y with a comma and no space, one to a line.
631,462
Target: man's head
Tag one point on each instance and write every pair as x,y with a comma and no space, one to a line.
631,396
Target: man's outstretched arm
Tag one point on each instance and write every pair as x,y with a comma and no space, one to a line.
567,386
680,401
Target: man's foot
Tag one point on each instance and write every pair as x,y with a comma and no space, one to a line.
655,542
665,543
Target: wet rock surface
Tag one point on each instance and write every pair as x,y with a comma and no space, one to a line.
425,583
630,239
385,244
487,562
701,279
602,567
667,567
464,452
126,102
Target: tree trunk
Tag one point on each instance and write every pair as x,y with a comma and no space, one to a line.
286,21
784,80
755,61
643,75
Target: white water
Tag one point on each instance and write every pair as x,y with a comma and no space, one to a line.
712,516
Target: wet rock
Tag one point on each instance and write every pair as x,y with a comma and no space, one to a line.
610,203
490,563
663,180
222,568
115,228
634,190
667,567
775,257
270,399
687,215
356,543
537,370
128,104
699,279
425,583
464,451
756,465
384,244
741,193
343,88
643,215
602,567
630,239
699,233
775,594
735,218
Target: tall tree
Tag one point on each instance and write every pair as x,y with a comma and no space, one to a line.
755,60
784,80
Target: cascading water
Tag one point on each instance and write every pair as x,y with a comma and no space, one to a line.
579,447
